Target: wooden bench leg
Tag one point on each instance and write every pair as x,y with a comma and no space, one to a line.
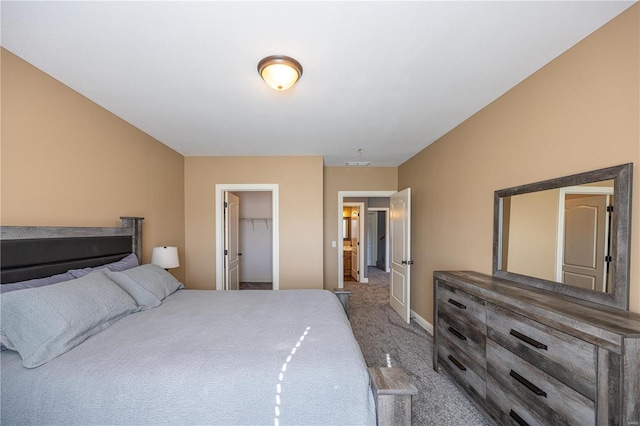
392,392
343,296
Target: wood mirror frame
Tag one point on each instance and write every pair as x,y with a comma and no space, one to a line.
618,297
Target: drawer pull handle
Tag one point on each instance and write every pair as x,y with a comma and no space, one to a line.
528,340
457,333
533,388
457,304
517,418
457,363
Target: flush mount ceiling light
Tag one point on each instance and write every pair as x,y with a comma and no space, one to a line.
279,71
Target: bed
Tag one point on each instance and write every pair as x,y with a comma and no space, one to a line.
196,357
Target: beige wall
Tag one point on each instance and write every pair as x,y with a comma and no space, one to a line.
300,193
578,113
347,179
68,162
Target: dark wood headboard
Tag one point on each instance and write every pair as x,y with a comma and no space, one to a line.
28,252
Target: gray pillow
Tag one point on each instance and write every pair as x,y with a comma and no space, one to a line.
45,322
36,282
151,278
128,262
143,297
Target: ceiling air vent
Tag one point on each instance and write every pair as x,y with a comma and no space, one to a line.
358,163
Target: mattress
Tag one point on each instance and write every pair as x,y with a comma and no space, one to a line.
284,357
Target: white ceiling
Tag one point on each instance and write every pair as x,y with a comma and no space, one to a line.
387,77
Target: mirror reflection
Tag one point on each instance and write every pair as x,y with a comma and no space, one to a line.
558,235
346,229
561,234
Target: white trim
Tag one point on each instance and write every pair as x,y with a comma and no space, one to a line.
603,190
341,196
219,195
422,322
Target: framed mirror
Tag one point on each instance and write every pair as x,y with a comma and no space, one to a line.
346,229
570,235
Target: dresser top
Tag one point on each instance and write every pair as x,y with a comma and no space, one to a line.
598,324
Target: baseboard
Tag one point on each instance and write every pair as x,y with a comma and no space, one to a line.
422,322
364,280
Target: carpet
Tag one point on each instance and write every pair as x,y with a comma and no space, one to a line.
255,286
381,332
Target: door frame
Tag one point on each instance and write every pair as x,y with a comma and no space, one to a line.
587,190
361,232
341,196
387,265
219,200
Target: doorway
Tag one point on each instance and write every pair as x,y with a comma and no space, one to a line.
378,238
400,238
264,222
341,204
353,250
255,240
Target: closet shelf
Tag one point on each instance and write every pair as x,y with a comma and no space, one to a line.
253,221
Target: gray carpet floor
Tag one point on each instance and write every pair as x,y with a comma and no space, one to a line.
255,286
381,331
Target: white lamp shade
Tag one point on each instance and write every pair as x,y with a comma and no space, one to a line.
165,257
280,76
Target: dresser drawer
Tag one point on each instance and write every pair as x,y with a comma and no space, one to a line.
469,337
466,372
569,359
539,392
461,304
506,407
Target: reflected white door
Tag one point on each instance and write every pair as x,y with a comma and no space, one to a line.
585,235
400,229
231,240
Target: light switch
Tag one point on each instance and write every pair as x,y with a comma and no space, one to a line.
333,244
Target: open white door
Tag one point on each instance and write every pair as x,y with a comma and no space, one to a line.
400,228
231,238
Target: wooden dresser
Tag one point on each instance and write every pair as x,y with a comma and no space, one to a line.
529,356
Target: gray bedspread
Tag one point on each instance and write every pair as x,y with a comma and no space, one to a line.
204,357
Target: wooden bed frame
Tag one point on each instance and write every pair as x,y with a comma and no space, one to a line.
28,252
